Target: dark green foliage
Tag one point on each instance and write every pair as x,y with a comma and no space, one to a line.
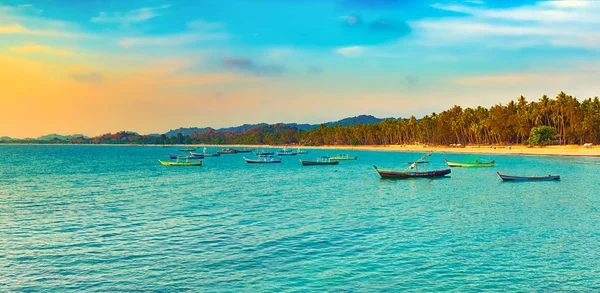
541,135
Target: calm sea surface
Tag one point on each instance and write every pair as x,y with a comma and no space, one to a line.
112,219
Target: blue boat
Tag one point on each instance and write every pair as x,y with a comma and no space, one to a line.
263,160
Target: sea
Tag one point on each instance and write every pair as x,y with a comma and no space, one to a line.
113,219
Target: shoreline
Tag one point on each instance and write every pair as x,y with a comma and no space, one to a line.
561,151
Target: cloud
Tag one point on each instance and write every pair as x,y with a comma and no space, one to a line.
91,77
351,20
172,40
32,48
314,70
19,29
573,24
352,51
248,65
132,16
204,25
389,26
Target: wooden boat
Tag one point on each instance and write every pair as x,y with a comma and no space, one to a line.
286,152
264,153
407,173
528,178
245,150
227,151
197,155
263,160
207,154
301,152
343,157
184,157
320,161
188,149
470,163
179,163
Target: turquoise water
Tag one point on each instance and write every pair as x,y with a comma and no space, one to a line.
112,219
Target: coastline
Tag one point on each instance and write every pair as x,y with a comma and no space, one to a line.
561,151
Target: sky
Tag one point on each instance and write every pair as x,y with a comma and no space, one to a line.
95,67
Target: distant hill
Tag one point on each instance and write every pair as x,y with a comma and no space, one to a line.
361,119
5,138
60,137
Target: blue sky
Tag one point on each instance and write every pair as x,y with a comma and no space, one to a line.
223,63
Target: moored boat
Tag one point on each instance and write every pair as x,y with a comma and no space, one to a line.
188,149
343,157
301,152
179,163
286,152
264,153
227,151
197,155
245,150
184,157
263,160
408,173
549,177
474,162
207,154
323,160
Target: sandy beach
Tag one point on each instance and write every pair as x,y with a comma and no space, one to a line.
567,150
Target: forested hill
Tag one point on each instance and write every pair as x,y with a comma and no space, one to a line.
560,120
361,119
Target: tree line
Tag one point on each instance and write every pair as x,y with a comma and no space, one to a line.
561,120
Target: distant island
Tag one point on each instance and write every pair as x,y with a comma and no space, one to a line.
559,121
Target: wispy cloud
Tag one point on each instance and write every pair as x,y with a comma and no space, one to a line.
556,23
132,16
172,40
203,25
352,51
19,29
33,48
248,65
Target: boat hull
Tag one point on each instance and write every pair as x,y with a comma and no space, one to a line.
184,157
315,163
391,174
505,177
463,164
180,164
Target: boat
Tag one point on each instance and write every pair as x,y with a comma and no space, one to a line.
264,153
323,160
197,155
184,157
179,163
207,154
227,151
245,150
286,153
343,157
408,173
263,160
473,162
301,152
188,149
549,177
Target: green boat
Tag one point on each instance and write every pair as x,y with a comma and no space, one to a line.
470,163
179,163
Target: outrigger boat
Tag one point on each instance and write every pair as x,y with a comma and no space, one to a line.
184,157
528,178
324,160
263,160
406,173
179,163
343,157
474,162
